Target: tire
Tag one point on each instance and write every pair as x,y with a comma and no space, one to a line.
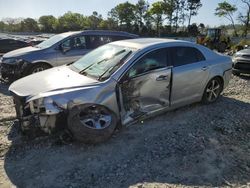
91,124
38,68
212,91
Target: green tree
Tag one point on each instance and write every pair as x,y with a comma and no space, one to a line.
71,22
157,14
2,26
48,23
109,23
193,30
29,25
227,10
169,8
94,20
124,13
193,7
141,8
245,19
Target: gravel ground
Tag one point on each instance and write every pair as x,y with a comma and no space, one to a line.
196,145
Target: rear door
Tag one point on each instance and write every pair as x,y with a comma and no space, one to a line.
190,73
76,46
145,86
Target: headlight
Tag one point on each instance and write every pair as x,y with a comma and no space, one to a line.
48,105
12,61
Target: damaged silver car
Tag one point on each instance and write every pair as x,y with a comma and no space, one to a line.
119,83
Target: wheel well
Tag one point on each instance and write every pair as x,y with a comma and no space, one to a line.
41,63
29,67
221,80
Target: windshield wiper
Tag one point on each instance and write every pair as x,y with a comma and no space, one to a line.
110,69
99,62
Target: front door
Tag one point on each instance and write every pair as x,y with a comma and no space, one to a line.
71,50
145,87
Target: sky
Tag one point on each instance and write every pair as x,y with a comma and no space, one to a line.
37,8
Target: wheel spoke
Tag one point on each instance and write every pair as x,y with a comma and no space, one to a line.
98,125
214,94
208,90
210,95
96,121
217,87
213,83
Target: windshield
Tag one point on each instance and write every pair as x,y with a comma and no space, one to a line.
103,61
51,41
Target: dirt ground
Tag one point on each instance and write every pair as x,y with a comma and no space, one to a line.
197,145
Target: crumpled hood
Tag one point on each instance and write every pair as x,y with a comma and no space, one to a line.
20,52
54,79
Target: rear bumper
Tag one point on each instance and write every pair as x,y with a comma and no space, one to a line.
227,76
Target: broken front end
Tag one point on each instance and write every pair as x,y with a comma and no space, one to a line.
41,114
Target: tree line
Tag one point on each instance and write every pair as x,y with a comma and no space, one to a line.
164,17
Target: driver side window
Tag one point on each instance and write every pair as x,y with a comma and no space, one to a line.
153,60
74,43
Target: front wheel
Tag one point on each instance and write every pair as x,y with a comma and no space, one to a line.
38,68
91,123
212,91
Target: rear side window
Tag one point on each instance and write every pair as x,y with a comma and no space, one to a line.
96,41
185,55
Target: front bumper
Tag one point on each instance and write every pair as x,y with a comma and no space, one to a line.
241,66
10,71
30,121
13,71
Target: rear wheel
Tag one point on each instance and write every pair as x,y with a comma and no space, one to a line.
212,91
91,123
38,68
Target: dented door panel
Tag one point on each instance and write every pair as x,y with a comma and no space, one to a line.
146,93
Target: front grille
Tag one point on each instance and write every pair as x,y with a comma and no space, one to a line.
8,68
242,66
246,56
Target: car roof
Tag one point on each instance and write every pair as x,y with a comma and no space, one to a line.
100,32
140,43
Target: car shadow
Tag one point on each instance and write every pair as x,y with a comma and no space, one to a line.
197,145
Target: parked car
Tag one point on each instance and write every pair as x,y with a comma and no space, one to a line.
119,83
60,49
241,62
7,45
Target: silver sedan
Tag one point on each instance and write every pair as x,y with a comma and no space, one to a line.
119,83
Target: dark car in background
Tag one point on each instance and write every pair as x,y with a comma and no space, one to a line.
241,62
7,45
61,49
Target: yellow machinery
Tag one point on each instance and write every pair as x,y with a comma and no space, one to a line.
214,39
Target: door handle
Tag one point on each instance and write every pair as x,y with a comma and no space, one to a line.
204,68
162,77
